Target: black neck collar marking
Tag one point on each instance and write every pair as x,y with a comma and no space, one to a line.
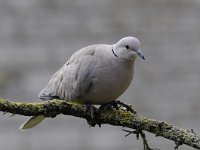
114,53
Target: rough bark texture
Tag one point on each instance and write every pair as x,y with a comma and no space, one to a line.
104,116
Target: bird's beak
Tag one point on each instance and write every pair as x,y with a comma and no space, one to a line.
140,54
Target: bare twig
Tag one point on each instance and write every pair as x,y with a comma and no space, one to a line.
138,133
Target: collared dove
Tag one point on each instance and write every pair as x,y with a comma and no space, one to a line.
96,74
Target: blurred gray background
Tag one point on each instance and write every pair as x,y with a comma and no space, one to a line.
38,36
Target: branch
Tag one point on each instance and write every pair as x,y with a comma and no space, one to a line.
105,116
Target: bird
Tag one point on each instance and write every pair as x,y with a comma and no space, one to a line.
94,75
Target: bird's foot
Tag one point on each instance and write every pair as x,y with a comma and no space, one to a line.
117,105
128,107
110,105
91,110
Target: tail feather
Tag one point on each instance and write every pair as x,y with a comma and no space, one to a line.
32,122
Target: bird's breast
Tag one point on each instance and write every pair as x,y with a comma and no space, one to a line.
110,80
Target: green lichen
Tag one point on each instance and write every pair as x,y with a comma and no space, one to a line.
112,117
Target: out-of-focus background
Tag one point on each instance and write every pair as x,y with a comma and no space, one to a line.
38,36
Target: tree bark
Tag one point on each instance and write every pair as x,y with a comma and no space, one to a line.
113,117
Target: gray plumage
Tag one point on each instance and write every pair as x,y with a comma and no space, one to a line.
96,74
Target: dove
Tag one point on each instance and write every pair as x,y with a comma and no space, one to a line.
94,75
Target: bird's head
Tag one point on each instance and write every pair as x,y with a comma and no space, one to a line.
128,48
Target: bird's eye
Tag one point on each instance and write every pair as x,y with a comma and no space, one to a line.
127,47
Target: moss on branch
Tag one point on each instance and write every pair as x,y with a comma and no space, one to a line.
105,116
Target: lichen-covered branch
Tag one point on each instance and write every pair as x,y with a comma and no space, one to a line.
105,116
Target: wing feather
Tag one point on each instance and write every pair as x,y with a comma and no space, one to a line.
73,79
